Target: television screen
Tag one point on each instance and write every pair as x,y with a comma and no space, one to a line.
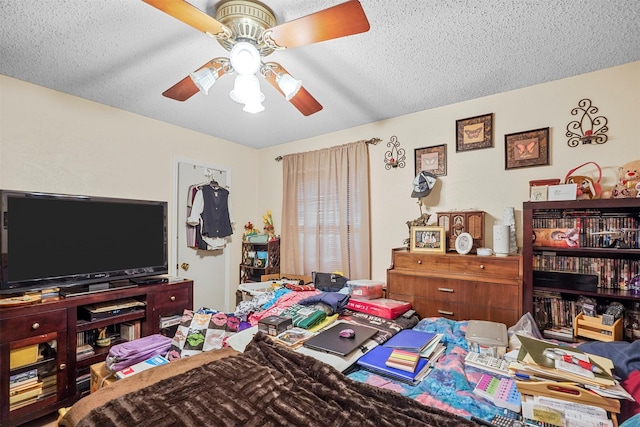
58,240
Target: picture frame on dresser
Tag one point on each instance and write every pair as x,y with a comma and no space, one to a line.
428,239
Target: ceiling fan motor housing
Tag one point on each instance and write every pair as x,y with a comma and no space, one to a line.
247,20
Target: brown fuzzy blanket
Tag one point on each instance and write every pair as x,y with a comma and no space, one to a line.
267,385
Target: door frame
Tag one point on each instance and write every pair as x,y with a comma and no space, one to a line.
175,270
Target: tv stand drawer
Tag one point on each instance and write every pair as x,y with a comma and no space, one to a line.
33,325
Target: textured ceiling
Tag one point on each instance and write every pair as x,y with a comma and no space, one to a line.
418,54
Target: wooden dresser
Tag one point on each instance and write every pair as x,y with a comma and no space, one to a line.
458,287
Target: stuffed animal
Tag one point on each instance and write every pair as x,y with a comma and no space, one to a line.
628,180
586,187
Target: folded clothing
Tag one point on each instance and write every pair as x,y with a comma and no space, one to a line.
336,300
304,317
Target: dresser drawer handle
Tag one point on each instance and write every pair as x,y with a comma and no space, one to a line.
445,290
481,266
446,313
419,261
63,366
173,298
35,326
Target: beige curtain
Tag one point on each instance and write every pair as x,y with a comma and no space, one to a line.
325,212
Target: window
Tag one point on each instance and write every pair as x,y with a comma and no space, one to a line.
325,224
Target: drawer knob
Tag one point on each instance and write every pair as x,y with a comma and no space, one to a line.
173,298
63,366
35,326
419,261
481,266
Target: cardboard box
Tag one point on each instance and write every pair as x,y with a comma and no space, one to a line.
365,289
273,325
99,372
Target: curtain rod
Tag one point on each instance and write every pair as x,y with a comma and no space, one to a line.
372,141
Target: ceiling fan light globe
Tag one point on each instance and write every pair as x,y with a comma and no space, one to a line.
246,88
204,79
253,107
245,58
289,85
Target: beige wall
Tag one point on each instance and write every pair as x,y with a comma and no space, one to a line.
477,180
53,142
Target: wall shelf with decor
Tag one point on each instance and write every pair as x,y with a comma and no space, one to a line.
258,259
581,252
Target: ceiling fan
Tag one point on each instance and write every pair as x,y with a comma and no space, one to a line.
249,30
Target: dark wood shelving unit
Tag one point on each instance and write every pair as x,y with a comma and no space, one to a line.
602,208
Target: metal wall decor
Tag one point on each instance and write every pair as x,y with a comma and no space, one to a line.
587,129
395,157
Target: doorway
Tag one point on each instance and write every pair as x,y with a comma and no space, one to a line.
209,269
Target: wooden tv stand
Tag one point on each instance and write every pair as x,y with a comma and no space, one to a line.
56,325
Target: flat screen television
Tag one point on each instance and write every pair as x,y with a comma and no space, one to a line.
52,240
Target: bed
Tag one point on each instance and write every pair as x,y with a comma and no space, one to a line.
267,384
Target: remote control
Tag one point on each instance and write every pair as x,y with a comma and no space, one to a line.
503,421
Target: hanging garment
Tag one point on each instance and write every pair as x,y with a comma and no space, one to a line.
210,211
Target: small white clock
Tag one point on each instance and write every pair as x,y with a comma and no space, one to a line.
464,243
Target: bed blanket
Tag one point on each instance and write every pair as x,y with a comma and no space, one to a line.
449,386
267,385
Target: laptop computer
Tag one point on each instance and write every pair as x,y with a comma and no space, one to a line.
330,340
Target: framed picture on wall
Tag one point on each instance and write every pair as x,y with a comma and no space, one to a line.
525,149
474,132
428,239
432,159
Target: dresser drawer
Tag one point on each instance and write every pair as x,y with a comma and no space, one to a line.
420,263
22,327
172,298
504,268
493,295
449,309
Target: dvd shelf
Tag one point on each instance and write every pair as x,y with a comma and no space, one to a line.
585,250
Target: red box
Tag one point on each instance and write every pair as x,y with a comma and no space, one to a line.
381,307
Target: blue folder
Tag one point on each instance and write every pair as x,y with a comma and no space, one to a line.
375,361
410,340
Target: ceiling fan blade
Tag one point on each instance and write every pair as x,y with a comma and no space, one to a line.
303,100
185,88
190,15
338,21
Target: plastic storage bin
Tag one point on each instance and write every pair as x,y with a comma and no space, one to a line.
486,337
365,289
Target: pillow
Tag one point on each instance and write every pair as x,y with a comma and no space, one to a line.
202,330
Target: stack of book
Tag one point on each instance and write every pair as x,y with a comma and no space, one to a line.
405,360
24,388
407,357
131,330
84,351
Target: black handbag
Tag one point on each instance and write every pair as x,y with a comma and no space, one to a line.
329,282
